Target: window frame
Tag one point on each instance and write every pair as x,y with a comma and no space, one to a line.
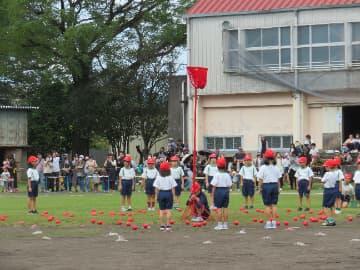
224,149
352,44
312,65
282,148
279,48
227,50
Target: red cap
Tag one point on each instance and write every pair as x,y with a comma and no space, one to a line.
221,163
195,187
127,158
213,155
150,161
248,157
330,163
337,161
348,176
269,153
165,166
174,158
32,159
302,160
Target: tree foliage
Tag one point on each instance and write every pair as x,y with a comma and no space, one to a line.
96,50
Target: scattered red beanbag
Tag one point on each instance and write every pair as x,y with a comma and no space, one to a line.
286,223
93,220
236,222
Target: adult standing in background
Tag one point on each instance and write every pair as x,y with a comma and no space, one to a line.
12,171
110,168
263,146
40,169
56,169
48,169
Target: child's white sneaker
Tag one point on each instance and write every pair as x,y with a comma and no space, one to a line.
268,225
123,209
149,209
273,224
225,226
219,227
337,211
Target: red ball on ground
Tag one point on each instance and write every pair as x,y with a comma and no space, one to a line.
286,223
93,220
236,222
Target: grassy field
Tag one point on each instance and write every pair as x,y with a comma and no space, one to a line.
74,209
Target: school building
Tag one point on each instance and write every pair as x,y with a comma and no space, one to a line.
279,69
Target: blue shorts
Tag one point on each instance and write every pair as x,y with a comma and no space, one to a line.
338,193
178,187
165,199
329,197
357,192
149,188
221,197
303,186
270,193
34,189
126,187
210,187
248,188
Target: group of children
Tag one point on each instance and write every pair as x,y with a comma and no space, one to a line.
165,185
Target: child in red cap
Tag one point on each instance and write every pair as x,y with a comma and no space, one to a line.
347,191
164,193
126,180
248,179
221,184
209,172
198,203
357,182
330,179
178,174
304,176
269,182
337,162
149,175
32,184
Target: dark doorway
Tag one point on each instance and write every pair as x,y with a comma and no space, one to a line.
351,123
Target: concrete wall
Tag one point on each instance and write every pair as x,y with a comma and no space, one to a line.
245,115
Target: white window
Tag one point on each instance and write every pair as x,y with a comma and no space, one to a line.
355,46
268,48
223,143
321,46
279,142
231,54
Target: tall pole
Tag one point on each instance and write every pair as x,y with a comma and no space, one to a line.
194,144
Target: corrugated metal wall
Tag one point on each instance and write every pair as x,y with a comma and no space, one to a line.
13,128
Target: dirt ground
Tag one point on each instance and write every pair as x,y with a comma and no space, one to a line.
184,248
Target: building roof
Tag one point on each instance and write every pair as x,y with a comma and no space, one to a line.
227,7
17,108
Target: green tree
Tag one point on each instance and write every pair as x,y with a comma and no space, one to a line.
79,42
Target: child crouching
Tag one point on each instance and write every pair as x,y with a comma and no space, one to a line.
165,192
198,204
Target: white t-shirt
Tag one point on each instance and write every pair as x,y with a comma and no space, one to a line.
177,172
269,174
56,164
340,174
211,170
33,174
304,173
314,152
127,174
285,162
221,179
357,177
5,176
164,183
150,173
347,189
330,178
248,173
